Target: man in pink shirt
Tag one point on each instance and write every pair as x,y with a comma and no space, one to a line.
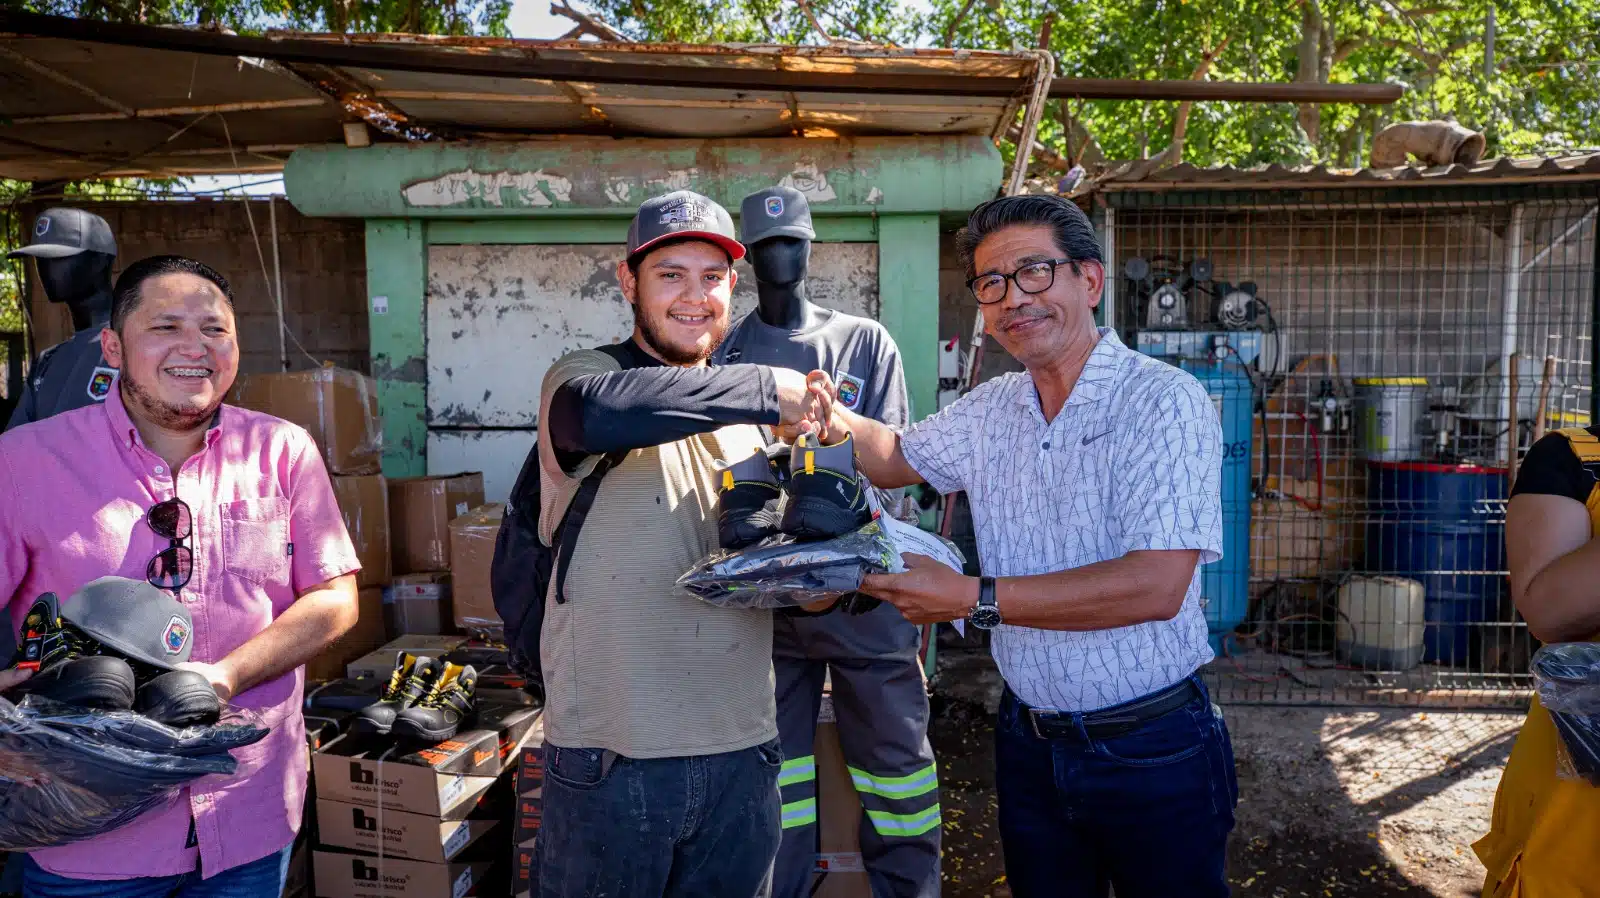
266,570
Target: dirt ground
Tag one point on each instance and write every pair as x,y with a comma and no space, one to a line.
1333,802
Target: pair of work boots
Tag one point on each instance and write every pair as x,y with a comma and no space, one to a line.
808,491
426,699
74,669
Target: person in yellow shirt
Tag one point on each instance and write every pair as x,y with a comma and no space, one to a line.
1544,838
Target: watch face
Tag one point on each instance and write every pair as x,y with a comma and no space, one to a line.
985,617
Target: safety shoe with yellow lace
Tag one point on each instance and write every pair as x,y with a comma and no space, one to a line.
413,676
438,714
749,499
826,498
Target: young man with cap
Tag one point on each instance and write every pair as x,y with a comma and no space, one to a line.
870,658
73,252
661,750
229,510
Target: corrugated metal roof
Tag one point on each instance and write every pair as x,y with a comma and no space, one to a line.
1130,176
79,107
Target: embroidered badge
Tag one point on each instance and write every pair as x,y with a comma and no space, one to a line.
42,228
733,355
774,207
849,388
177,636
100,383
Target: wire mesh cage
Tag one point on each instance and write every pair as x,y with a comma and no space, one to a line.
1381,361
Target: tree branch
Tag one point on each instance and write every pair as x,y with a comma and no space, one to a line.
1173,154
950,29
589,23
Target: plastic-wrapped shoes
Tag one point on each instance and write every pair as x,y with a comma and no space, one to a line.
68,665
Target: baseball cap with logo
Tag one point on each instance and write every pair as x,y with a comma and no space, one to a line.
133,618
775,212
682,213
59,233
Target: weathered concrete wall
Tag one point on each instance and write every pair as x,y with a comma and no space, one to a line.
323,263
497,316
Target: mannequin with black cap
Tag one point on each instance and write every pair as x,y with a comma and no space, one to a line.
73,254
878,693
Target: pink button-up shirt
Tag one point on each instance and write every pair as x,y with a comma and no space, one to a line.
74,490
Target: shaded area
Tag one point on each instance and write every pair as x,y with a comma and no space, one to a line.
1333,802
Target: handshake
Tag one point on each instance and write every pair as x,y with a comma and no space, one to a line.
806,405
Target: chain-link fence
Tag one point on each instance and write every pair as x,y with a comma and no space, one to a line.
1381,358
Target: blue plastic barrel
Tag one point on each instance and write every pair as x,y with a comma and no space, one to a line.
1443,525
1225,584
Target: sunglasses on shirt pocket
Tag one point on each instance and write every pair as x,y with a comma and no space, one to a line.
172,521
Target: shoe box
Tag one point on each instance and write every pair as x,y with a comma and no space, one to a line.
420,512
529,813
363,501
472,539
444,822
338,406
380,664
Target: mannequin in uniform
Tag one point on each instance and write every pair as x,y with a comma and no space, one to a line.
871,658
73,253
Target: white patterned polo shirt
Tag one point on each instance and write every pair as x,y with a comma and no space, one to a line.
1132,462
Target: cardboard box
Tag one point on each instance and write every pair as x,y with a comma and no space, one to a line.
342,696
420,512
434,781
418,604
839,863
364,504
367,635
522,857
417,837
338,406
529,813
380,663
515,725
340,875
472,538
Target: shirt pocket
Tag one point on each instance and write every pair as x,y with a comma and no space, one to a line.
255,540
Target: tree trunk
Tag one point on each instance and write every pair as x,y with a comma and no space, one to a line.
1315,58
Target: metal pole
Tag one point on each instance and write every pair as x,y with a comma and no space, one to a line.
1594,328
1508,332
277,285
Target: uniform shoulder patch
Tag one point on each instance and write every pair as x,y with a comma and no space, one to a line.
100,383
849,388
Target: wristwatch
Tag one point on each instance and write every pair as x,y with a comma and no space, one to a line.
986,614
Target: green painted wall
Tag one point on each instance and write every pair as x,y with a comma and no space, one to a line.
892,190
397,277
610,178
908,288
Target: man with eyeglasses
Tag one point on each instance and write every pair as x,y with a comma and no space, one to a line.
1094,480
232,511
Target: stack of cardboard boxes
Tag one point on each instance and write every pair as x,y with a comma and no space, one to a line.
421,509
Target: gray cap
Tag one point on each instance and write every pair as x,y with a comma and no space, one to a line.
682,213
59,233
134,619
775,212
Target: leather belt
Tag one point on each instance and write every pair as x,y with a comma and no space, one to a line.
1108,723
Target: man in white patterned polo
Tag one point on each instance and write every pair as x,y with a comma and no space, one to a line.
1094,480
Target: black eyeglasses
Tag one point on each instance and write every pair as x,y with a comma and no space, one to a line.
1035,277
172,567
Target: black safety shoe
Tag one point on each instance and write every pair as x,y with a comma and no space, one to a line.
436,716
179,698
826,498
412,678
69,666
748,502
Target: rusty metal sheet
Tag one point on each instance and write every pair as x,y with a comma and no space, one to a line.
499,315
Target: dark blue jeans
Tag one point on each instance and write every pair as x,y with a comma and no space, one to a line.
1148,812
257,879
624,828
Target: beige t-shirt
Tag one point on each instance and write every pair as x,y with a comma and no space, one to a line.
632,663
